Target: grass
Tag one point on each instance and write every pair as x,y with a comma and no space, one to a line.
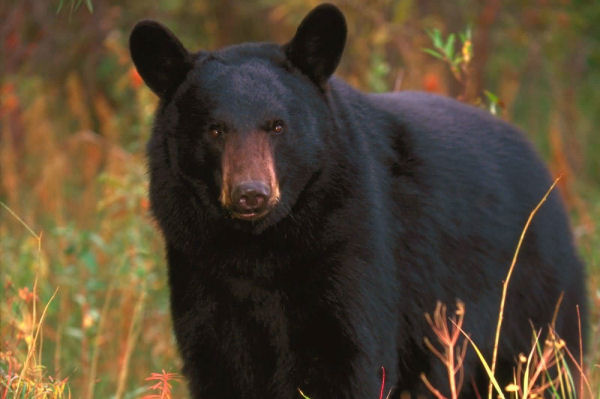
86,340
75,220
544,371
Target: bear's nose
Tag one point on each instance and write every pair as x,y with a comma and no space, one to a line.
250,197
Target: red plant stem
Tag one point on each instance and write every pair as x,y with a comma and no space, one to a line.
7,384
581,375
382,382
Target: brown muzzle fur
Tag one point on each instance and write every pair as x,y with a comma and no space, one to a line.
249,187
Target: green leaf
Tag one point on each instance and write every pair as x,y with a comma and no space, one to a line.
435,36
491,97
468,32
494,101
89,5
433,53
466,35
449,47
89,260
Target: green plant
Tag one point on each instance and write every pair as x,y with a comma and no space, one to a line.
445,50
459,61
74,5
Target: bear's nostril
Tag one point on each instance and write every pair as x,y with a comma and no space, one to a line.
250,197
251,200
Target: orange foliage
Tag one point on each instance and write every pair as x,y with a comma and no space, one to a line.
135,78
431,83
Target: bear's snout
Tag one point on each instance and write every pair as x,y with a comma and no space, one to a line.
249,199
249,183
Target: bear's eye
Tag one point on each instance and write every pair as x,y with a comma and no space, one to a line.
277,127
216,131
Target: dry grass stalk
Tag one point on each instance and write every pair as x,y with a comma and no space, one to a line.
453,353
163,385
133,333
507,281
97,342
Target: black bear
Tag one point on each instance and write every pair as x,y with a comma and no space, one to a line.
309,226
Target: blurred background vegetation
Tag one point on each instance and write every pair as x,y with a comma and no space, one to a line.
75,117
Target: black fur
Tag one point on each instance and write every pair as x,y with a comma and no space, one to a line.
389,203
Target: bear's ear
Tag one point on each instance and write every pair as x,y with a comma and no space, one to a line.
317,47
160,58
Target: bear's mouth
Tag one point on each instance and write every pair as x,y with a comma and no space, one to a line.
249,216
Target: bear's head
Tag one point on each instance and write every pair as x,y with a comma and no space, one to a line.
245,127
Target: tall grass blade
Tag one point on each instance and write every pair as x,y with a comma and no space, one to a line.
507,281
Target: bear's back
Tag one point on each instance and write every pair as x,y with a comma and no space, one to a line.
470,183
